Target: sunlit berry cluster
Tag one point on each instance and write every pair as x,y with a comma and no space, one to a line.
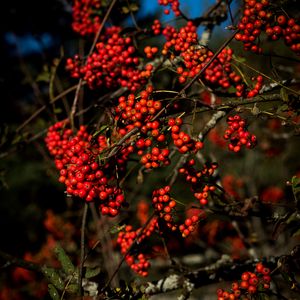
259,16
150,51
174,6
76,158
251,283
219,74
156,27
196,179
182,140
114,63
137,261
86,20
238,135
132,112
137,113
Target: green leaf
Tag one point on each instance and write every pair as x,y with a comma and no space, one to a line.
296,189
133,7
239,58
125,10
53,277
263,296
53,292
282,108
284,95
43,77
116,229
57,110
72,288
92,272
102,129
296,233
231,89
65,261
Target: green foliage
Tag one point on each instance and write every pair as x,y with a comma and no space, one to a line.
53,276
53,292
92,272
65,261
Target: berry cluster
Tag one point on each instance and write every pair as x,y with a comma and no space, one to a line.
76,159
196,178
238,134
182,140
133,113
249,285
113,64
137,261
259,83
150,51
287,29
259,16
174,6
164,205
188,226
156,158
85,18
219,74
156,27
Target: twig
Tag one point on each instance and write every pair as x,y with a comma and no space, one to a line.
265,75
82,246
230,12
106,241
74,106
18,262
223,269
208,64
101,26
128,251
40,110
211,123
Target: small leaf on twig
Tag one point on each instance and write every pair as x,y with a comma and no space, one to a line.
92,272
284,95
53,292
132,7
255,110
64,259
53,277
296,188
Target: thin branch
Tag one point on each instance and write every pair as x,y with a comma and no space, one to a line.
105,239
18,262
209,63
211,123
265,75
128,251
40,110
74,106
101,26
223,269
82,247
